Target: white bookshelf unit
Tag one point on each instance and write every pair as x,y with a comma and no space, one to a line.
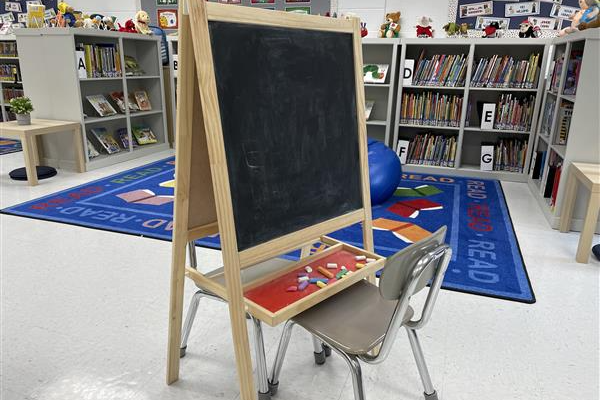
469,136
49,69
8,84
381,51
583,134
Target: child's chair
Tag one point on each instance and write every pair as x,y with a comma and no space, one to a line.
361,322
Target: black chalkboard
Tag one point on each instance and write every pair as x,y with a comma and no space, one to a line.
288,110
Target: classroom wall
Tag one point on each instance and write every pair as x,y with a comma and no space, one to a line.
122,9
373,11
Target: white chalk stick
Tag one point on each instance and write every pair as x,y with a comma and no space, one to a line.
308,269
360,258
332,265
370,260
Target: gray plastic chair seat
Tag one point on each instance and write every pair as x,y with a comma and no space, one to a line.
353,329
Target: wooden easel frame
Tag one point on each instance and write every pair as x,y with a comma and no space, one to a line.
203,206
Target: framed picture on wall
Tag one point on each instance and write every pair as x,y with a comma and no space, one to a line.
166,2
263,1
167,19
297,1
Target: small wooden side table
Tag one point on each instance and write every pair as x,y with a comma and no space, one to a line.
27,135
589,176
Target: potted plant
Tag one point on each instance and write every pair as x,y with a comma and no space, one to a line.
22,107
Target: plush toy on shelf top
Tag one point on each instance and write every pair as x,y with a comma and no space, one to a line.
391,27
492,30
453,29
142,19
591,17
575,19
528,30
129,27
424,29
67,14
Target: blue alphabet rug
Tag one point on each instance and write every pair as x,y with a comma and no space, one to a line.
486,260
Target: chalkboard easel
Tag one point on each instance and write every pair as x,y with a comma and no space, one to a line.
267,181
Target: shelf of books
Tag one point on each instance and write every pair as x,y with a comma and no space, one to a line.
469,106
118,95
10,75
380,68
568,123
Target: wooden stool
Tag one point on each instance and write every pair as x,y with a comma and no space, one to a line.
27,135
589,176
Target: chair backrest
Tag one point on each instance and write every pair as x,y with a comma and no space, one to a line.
405,274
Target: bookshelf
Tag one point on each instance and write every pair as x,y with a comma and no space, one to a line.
10,87
466,130
381,51
582,143
57,91
375,51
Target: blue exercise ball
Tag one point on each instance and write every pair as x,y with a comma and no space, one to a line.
385,171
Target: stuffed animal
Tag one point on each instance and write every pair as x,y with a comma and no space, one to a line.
592,23
576,17
491,31
391,27
97,21
464,29
591,17
109,23
88,23
78,20
526,29
363,29
129,27
68,14
451,29
424,29
142,19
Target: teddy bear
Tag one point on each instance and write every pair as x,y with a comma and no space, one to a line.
142,19
391,27
424,29
584,5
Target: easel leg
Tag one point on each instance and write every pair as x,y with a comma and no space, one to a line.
176,309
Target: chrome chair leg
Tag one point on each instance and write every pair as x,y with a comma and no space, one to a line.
319,351
430,393
192,255
189,321
264,393
356,372
281,350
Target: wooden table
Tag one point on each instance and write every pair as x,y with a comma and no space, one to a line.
589,176
27,135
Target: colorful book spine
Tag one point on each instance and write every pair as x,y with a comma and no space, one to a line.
8,49
432,109
506,72
441,70
510,155
513,113
430,149
101,60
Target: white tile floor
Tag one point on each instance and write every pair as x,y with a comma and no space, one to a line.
84,317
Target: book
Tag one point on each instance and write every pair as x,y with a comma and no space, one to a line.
506,72
132,102
101,105
431,149
411,208
549,183
536,164
564,123
144,135
91,150
510,155
375,73
142,100
419,191
119,100
441,70
35,15
102,60
106,140
555,185
406,231
369,104
132,68
514,113
124,138
431,109
573,70
145,196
